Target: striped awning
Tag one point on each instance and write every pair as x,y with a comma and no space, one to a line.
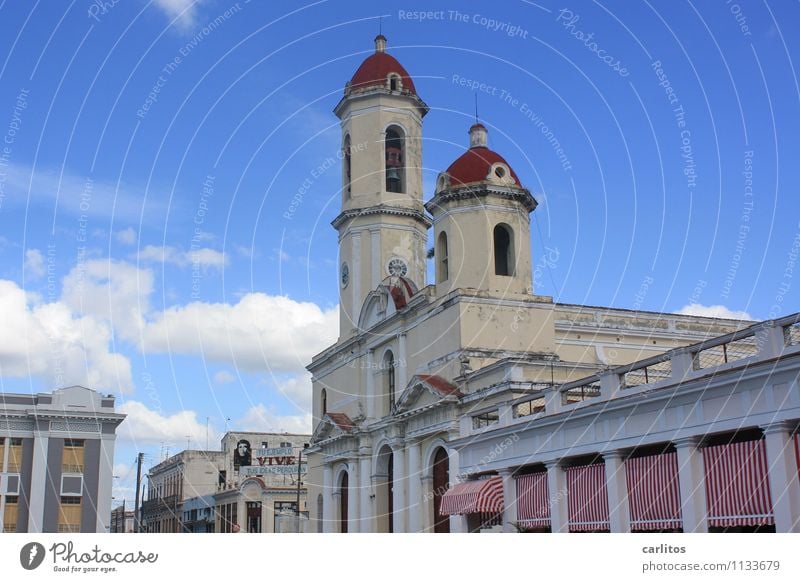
533,500
797,450
483,496
654,493
737,484
587,497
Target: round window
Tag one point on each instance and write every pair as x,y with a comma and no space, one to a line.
397,268
345,275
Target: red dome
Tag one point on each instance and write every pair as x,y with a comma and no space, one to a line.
375,69
474,165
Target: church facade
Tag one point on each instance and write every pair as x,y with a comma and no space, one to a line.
416,360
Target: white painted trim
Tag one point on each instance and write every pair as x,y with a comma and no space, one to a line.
38,481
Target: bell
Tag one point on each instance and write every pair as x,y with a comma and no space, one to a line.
392,175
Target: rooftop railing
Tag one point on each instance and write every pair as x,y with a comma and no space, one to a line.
761,341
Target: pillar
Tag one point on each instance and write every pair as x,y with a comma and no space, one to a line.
509,501
402,368
400,504
557,489
458,523
618,507
783,478
692,479
353,497
365,484
371,397
328,520
416,506
38,481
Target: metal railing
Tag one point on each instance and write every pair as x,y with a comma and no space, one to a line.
725,352
528,407
647,374
581,392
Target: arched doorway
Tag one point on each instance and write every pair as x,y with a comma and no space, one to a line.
343,487
441,482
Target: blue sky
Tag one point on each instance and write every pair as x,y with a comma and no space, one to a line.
151,151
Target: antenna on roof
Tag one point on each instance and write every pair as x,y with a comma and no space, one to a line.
380,24
476,107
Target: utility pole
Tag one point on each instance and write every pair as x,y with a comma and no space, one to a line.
299,463
136,520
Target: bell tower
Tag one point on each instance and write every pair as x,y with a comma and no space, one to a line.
382,226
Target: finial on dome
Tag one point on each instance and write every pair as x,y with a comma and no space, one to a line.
477,136
380,44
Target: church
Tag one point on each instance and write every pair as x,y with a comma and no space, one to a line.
419,364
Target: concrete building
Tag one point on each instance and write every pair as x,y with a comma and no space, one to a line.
57,455
264,484
414,359
250,481
703,438
122,520
170,483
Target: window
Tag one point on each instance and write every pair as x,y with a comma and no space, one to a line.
71,485
286,445
442,272
324,402
16,442
347,166
394,159
485,419
72,456
394,83
76,443
503,250
12,485
390,378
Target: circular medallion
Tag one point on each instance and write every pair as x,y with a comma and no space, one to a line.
397,267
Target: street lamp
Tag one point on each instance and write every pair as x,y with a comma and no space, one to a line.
299,463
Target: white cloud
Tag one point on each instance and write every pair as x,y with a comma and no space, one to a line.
184,10
202,258
259,418
718,311
146,426
224,377
49,341
127,236
34,263
115,292
259,333
297,390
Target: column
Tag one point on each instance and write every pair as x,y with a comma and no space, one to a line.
416,505
692,479
402,368
354,497
104,483
370,395
509,501
557,485
355,276
4,444
375,267
400,503
618,508
365,484
458,523
38,481
328,524
783,479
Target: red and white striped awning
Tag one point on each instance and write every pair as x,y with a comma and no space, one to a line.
483,496
587,497
533,500
654,493
737,484
797,450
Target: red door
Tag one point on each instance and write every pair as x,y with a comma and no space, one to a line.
343,506
441,481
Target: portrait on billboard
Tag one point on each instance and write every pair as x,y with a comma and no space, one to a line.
242,456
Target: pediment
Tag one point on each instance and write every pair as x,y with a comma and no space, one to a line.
331,425
425,390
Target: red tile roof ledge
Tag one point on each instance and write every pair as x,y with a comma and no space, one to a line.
439,384
342,421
